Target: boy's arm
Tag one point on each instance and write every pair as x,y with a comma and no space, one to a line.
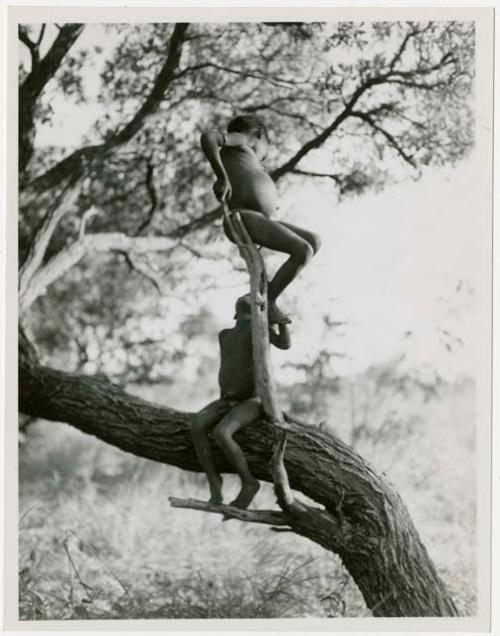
281,340
211,142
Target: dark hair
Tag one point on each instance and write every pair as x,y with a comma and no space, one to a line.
247,123
244,302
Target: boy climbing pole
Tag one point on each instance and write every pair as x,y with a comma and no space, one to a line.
235,158
237,406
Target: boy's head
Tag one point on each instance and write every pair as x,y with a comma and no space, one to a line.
243,309
250,125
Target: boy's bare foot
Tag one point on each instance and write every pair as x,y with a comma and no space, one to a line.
245,497
216,491
276,316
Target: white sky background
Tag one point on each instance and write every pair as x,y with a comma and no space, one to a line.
403,260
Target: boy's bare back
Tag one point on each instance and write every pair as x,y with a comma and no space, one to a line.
252,187
236,373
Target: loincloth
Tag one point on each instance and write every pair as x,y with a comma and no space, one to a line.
230,401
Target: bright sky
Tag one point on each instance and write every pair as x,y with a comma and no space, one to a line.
403,260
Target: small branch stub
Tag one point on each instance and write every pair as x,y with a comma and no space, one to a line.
269,517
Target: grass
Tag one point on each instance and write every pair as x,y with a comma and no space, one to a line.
99,540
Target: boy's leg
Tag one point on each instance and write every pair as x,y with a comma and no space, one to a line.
277,236
312,238
236,419
201,423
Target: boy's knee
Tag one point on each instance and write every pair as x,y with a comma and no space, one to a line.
221,435
315,242
303,253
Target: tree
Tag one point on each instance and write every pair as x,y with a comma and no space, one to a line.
396,90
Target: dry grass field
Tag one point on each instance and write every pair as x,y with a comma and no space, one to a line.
98,538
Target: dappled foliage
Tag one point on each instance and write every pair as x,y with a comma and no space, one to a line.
358,104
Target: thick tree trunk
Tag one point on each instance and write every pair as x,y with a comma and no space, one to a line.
364,520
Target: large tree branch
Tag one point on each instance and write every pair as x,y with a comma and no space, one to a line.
155,97
364,520
41,72
106,242
72,169
38,248
75,163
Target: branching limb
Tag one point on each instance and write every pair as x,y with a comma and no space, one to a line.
281,82
390,138
309,173
42,70
74,163
269,517
32,46
260,340
106,242
397,57
43,235
41,34
260,327
319,139
138,266
390,76
151,190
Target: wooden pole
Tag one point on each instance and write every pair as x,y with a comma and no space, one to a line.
266,386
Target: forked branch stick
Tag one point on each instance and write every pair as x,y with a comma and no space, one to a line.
266,387
260,324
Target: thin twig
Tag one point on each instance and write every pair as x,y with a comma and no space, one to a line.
150,187
144,271
75,570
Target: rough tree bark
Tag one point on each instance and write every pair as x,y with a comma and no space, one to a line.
364,520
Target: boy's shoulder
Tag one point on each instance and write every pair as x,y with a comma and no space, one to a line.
236,332
234,141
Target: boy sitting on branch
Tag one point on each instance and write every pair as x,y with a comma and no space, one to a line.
237,406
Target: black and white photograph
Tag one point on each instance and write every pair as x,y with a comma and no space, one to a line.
253,314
